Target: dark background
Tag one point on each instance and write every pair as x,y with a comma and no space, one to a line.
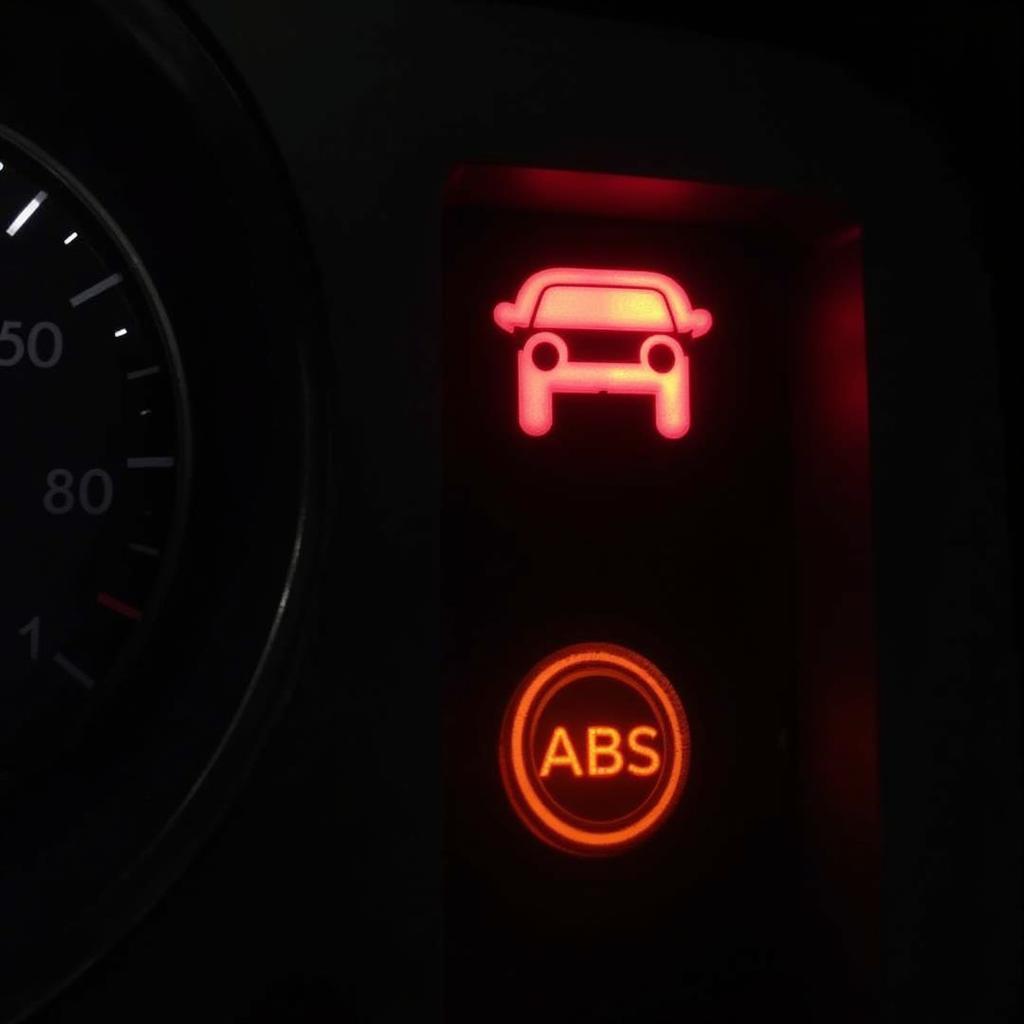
245,935
957,66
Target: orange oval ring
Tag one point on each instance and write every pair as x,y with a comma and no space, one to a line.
546,824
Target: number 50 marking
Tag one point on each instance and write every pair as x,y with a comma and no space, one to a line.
18,346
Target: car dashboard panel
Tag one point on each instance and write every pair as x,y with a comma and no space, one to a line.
490,496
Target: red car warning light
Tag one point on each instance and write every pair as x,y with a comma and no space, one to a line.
595,749
563,298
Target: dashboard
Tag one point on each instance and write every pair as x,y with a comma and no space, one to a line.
504,518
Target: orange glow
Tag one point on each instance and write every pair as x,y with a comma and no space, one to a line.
552,759
598,751
653,758
565,808
620,300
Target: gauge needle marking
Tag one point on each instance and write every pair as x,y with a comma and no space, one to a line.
145,372
74,671
129,611
97,289
19,222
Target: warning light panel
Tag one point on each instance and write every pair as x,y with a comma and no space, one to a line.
623,363
595,749
571,298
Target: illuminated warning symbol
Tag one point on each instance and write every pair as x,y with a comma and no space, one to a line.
595,749
566,298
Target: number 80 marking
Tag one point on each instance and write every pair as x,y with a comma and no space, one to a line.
95,492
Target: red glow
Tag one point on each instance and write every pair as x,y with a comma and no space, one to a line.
119,607
597,781
621,300
611,300
538,387
629,197
603,309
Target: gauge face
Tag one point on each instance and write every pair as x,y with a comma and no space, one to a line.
93,460
154,589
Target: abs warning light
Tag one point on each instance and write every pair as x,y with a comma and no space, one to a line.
626,301
595,749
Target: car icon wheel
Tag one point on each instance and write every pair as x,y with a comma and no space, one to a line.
661,357
546,355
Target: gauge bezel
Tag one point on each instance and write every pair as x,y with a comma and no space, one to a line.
121,819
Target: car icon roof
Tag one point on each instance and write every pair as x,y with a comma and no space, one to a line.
599,299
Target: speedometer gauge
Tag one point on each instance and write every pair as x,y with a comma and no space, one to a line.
95,455
157,545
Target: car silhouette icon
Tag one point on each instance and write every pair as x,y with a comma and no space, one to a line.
572,298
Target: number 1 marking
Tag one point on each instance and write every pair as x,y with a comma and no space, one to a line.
31,630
